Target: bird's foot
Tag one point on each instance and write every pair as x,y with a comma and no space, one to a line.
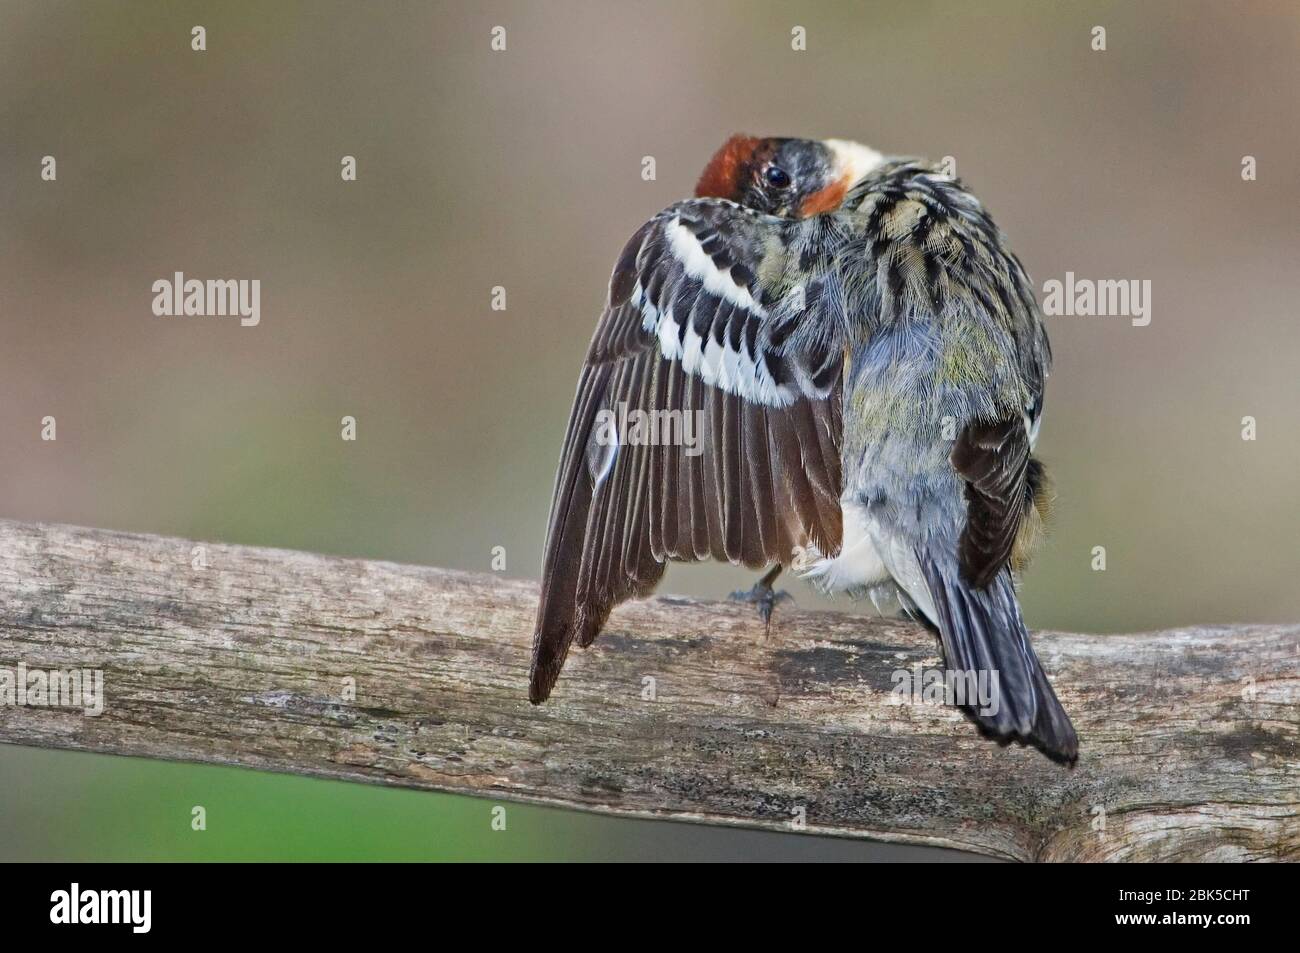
764,597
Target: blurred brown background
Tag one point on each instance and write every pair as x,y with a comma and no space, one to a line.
522,169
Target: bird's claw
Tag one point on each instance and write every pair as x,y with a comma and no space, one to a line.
765,598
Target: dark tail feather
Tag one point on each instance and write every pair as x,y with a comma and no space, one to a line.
982,631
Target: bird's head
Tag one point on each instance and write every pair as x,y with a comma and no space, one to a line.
793,178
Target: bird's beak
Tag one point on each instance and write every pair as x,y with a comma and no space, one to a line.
850,161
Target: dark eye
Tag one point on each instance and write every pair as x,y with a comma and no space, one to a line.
777,177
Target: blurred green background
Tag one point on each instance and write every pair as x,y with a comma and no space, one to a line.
522,169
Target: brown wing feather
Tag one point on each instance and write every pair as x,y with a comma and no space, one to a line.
764,486
994,461
602,549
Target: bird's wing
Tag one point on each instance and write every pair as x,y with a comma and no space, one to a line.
994,460
724,333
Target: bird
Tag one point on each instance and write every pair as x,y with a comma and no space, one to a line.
864,361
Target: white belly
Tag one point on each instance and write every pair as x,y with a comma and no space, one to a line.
868,559
858,566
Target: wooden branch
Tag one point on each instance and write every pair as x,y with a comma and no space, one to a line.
1190,738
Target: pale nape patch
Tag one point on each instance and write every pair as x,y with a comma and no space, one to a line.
853,160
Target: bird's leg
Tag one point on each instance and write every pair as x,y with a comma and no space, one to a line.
764,596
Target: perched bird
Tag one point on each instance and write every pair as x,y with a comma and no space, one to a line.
865,359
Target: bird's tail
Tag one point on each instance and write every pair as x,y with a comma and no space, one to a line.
982,632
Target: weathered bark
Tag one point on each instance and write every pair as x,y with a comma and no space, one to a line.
1190,738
